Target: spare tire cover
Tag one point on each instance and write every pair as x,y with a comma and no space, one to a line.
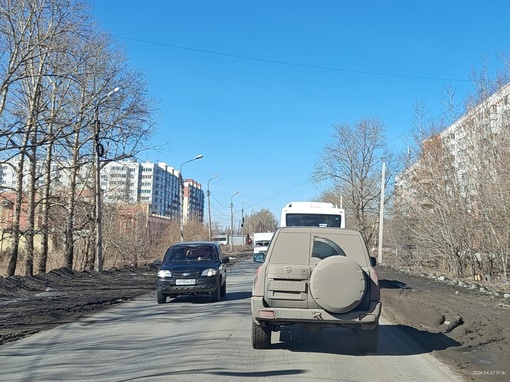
337,284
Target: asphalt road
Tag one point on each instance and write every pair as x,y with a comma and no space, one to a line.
191,339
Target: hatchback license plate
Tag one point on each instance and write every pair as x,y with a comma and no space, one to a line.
185,282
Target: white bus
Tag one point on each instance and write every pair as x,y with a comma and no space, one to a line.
315,214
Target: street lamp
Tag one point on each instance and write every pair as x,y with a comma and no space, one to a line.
98,153
209,205
232,221
181,186
242,222
251,219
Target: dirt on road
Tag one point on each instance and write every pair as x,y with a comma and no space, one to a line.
465,326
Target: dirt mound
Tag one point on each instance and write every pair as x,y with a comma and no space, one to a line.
31,304
465,327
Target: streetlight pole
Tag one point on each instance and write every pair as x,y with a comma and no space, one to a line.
232,221
251,220
181,186
98,153
242,222
209,206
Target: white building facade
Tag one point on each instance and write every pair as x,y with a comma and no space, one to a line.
154,184
465,140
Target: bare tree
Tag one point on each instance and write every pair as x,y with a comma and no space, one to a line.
25,35
262,221
454,198
352,161
55,71
488,141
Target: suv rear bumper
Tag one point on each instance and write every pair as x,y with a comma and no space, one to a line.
282,316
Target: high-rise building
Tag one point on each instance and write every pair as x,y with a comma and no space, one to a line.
154,184
193,206
160,188
120,182
465,141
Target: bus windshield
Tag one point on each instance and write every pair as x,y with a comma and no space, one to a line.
313,220
312,214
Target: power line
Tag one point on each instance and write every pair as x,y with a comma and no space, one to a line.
219,202
279,193
288,63
218,212
259,201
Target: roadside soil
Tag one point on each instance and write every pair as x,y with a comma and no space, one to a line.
466,328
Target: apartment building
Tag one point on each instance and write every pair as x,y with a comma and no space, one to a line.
153,184
193,205
160,188
8,179
120,182
465,139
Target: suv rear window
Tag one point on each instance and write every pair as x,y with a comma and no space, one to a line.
323,248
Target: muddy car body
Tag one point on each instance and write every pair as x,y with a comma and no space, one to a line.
316,277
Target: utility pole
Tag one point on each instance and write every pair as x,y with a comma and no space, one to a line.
232,221
209,206
181,186
381,217
242,222
98,153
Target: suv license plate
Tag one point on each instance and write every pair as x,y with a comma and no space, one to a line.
185,282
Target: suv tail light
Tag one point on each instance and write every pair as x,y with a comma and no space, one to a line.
266,314
375,293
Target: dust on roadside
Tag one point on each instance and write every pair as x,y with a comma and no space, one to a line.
468,329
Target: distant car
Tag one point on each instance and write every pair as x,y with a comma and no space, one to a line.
192,268
316,277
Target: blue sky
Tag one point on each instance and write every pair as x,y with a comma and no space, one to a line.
256,86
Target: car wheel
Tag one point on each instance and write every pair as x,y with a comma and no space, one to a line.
223,290
216,294
367,340
338,284
260,336
161,297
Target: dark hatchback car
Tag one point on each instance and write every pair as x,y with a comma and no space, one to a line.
192,268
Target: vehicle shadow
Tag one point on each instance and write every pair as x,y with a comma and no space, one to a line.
394,340
238,296
205,299
392,284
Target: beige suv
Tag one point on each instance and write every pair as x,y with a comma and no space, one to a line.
316,277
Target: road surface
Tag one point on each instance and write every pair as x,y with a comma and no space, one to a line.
191,339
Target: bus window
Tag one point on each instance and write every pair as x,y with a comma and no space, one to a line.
315,214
